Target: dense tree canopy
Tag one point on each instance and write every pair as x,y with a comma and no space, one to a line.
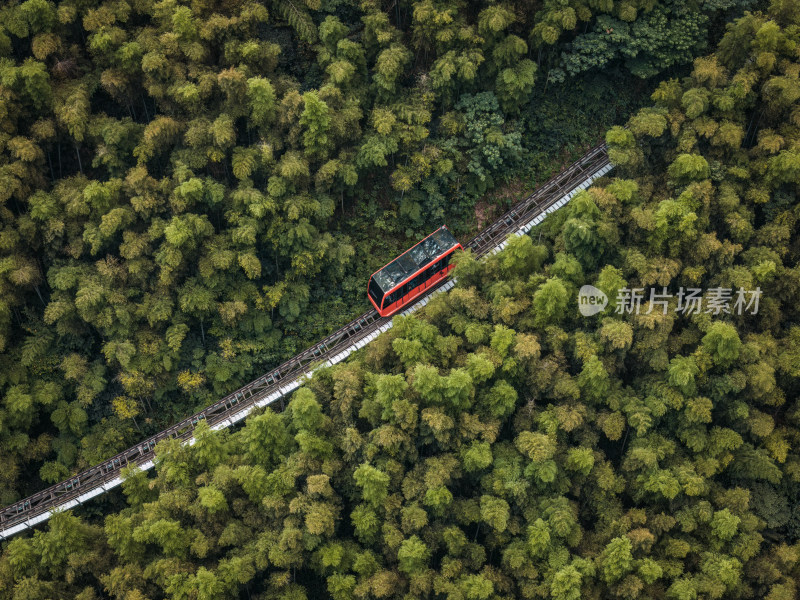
193,191
499,444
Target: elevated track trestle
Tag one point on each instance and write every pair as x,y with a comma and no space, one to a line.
278,382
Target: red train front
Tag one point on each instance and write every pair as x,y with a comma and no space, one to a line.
412,273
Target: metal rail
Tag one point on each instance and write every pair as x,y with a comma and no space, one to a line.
278,382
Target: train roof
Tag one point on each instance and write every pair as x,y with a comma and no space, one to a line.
436,244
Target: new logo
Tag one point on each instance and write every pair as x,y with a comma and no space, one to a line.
591,300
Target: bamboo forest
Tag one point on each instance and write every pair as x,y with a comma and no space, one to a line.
194,191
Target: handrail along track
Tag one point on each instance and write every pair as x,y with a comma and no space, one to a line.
274,384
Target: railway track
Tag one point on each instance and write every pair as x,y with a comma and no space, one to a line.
274,385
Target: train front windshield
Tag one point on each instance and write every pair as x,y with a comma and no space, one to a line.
375,291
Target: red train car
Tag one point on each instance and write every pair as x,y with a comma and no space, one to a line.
410,274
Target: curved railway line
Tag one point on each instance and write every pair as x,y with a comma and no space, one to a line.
276,383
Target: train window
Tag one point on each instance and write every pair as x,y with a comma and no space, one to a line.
426,251
391,298
444,239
